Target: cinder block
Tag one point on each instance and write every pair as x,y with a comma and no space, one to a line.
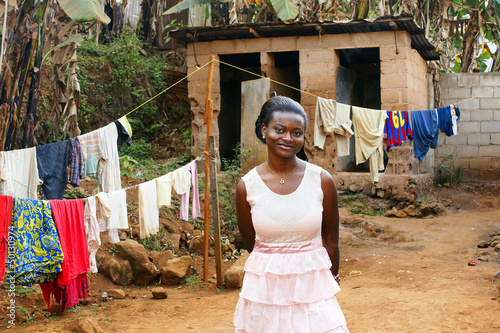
448,80
478,139
471,104
361,40
391,96
222,47
496,115
393,81
490,174
469,127
393,67
482,92
333,41
446,150
490,79
481,163
312,70
495,139
468,151
470,173
322,83
468,80
491,151
441,139
382,38
202,48
488,103
389,53
284,43
461,93
320,56
481,115
490,127
464,116
495,162
459,139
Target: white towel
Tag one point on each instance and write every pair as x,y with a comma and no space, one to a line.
149,220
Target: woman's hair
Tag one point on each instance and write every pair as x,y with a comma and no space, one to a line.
277,104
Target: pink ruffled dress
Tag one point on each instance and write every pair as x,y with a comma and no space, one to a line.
288,286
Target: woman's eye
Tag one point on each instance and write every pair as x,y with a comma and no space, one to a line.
297,133
279,130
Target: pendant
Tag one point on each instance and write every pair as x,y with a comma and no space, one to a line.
282,181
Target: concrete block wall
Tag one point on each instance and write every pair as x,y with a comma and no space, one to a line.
403,80
477,145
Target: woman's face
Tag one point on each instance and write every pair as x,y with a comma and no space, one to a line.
284,133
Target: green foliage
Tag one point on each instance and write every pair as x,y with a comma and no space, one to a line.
113,250
76,193
127,165
190,280
227,186
358,204
158,242
24,290
139,150
25,312
173,25
447,172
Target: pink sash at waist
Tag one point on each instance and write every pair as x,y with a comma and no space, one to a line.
294,247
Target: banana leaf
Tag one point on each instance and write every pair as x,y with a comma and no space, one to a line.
285,8
84,10
188,3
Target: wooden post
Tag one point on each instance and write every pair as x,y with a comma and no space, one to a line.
214,200
206,210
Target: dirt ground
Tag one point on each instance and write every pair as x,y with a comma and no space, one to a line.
399,275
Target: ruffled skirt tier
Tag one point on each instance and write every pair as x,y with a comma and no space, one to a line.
288,287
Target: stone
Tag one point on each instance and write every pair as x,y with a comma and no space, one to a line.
136,231
144,270
164,258
176,270
118,270
391,213
424,210
197,245
388,193
20,316
410,210
482,244
400,205
401,214
395,192
412,198
83,325
159,293
380,192
116,293
419,214
233,278
497,248
494,241
438,209
176,240
197,232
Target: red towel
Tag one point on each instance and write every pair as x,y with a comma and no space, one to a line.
5,218
70,224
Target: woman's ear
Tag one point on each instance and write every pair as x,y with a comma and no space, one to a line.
263,130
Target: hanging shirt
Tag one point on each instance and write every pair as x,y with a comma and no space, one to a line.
96,208
70,223
179,180
52,162
425,132
110,176
5,217
369,135
184,214
333,117
91,146
19,173
75,162
126,125
118,218
149,221
37,247
448,119
122,133
397,128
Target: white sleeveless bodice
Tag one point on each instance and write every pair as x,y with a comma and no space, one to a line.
286,218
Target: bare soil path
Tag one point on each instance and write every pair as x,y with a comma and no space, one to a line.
400,275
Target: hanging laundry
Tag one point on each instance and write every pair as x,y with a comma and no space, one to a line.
52,162
37,246
91,146
5,217
122,133
126,125
369,136
67,296
425,132
70,223
96,208
184,214
333,117
75,162
179,179
397,128
149,221
448,119
109,168
118,218
19,173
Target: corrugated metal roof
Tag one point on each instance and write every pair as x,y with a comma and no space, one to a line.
263,30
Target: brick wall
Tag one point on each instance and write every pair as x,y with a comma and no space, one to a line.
477,145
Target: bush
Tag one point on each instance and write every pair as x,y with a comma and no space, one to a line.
447,172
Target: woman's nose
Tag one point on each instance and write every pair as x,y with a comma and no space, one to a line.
287,137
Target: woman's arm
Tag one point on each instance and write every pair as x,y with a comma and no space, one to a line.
330,226
244,217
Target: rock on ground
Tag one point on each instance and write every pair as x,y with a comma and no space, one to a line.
159,293
233,277
176,270
143,269
116,293
118,270
83,325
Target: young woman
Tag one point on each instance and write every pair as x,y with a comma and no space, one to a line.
288,217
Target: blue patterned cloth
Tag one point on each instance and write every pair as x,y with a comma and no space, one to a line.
37,248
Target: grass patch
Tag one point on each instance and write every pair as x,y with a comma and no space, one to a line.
358,204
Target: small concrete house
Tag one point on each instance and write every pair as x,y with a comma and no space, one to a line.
379,64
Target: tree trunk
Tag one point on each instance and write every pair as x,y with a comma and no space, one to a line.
469,43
